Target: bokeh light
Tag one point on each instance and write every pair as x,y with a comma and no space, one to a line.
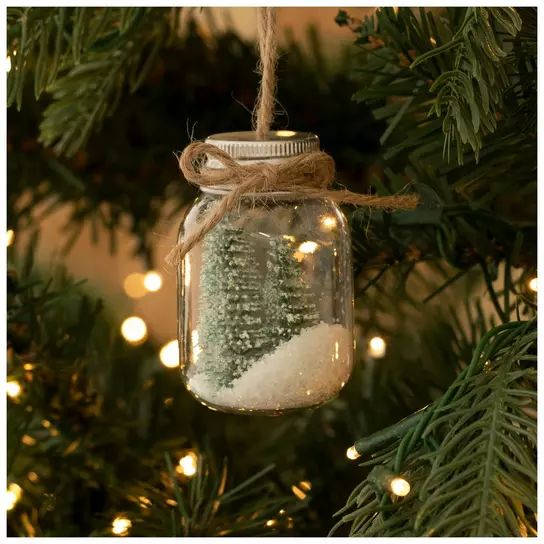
533,284
13,494
169,354
152,281
120,526
13,389
134,285
377,347
188,464
10,237
134,330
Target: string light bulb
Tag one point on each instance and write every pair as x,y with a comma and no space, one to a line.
10,237
134,285
152,281
169,354
188,464
13,494
308,247
352,453
533,284
13,389
8,64
377,347
120,526
400,487
134,330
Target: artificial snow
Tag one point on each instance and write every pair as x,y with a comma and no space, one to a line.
307,370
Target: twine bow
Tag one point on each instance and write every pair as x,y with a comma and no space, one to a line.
308,175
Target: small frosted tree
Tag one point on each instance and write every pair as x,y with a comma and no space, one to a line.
231,327
289,303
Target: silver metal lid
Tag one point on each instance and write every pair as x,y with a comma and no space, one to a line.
277,145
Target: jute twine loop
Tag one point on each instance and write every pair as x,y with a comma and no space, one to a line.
308,175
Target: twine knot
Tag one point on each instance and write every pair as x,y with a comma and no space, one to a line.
308,175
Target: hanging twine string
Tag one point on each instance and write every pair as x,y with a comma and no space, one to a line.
308,175
263,114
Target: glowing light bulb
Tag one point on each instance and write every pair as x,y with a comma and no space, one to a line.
533,284
10,237
8,64
432,40
400,487
13,389
169,354
152,281
188,464
120,526
134,285
308,247
13,494
285,133
352,453
134,330
298,493
306,485
328,222
271,523
377,347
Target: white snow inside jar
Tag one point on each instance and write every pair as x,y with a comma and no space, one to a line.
265,300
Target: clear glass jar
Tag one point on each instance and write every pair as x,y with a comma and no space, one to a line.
265,301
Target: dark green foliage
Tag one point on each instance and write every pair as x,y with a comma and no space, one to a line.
470,457
93,409
195,86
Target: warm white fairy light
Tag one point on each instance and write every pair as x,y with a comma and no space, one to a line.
188,464
13,389
328,222
432,40
10,237
134,285
533,284
377,347
13,494
298,493
308,247
134,330
352,453
400,487
152,281
120,526
271,523
169,354
8,64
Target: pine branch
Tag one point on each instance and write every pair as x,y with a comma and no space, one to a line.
470,457
92,89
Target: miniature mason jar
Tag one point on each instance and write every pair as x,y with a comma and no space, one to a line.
265,300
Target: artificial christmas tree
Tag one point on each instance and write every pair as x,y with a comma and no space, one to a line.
290,305
232,332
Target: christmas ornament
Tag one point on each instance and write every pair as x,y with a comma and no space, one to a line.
265,295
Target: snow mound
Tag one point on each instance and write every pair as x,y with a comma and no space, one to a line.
307,370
